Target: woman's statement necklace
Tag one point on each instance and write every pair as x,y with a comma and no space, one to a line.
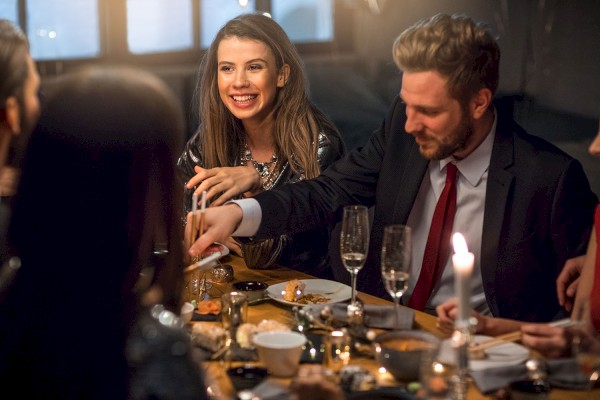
266,170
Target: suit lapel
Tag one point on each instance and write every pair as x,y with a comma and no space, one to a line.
500,181
409,184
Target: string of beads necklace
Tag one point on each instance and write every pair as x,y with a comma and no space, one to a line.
267,171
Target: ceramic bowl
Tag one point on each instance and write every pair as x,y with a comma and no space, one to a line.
254,290
400,352
280,351
246,377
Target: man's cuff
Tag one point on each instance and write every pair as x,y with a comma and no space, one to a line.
251,217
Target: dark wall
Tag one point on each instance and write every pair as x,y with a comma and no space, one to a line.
549,48
550,59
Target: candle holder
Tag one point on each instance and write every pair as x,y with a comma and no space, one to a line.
461,340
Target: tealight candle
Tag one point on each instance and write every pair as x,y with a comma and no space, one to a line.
337,350
463,262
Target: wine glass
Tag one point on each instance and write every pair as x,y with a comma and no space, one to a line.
396,258
586,342
354,242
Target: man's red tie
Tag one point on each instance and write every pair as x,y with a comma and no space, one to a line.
438,242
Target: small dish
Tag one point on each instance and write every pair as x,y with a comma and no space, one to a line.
246,377
254,290
400,352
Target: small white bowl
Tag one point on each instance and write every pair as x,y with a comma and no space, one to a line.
187,310
280,351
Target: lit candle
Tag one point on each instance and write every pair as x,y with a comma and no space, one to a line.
463,262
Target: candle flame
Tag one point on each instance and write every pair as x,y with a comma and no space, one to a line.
460,245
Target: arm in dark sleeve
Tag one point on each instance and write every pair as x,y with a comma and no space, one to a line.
316,202
572,213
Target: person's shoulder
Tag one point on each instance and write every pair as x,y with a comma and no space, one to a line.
527,143
191,154
331,147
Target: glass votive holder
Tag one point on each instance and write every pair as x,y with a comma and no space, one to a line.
337,350
436,377
233,312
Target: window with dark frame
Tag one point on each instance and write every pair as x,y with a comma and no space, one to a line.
74,31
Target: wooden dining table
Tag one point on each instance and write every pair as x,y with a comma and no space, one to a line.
221,387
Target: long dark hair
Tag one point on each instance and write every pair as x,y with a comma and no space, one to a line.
98,195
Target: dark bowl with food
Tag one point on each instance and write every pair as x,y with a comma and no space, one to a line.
401,352
246,377
254,290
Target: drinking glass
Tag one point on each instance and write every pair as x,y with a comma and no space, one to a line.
396,257
354,241
586,343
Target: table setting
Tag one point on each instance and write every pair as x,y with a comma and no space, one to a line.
266,334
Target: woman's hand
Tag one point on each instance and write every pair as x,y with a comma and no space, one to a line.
224,183
233,246
568,280
447,312
486,325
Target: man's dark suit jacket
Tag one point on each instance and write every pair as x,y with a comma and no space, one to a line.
538,210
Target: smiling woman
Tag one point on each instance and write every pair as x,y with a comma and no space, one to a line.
259,131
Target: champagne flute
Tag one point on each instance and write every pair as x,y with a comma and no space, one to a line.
396,259
586,342
354,242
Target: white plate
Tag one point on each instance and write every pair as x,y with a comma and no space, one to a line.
334,290
498,356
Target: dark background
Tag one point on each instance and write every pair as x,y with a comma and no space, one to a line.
549,66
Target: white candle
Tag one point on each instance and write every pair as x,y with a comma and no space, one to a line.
463,262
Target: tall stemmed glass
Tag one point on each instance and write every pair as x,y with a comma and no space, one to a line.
396,257
586,342
354,241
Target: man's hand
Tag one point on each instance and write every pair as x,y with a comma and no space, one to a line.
219,224
568,280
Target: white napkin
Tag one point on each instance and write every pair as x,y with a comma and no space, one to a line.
562,373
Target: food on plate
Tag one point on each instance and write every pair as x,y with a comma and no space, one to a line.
211,306
293,290
246,331
208,336
313,298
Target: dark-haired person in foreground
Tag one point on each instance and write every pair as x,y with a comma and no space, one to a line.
98,195
19,111
523,205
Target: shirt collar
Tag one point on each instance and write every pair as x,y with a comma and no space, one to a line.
475,164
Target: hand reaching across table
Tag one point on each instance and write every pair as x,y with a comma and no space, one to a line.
219,225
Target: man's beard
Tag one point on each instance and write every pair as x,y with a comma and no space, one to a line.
458,139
